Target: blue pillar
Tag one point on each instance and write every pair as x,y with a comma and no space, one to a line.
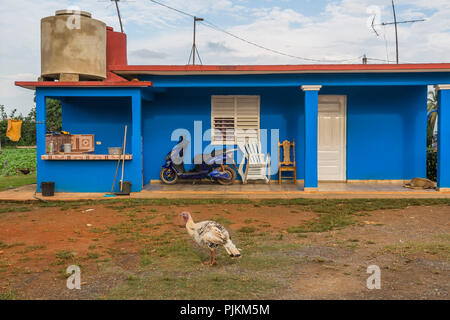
41,128
135,166
443,147
311,111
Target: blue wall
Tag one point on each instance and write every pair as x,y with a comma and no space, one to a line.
281,108
386,130
443,172
105,117
386,126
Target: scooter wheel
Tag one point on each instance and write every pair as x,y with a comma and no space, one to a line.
232,175
168,176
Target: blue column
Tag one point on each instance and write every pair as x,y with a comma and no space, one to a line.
135,165
311,111
443,161
41,128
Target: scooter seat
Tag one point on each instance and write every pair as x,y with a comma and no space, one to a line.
202,158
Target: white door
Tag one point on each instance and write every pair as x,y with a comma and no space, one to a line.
332,138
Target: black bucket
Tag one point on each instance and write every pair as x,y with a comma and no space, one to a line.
126,187
48,189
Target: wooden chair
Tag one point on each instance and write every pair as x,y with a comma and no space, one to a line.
258,164
286,165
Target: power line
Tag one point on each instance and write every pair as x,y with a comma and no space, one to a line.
217,28
172,8
213,26
382,60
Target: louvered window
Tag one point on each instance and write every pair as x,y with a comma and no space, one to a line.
234,119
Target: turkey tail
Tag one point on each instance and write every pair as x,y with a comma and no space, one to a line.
231,249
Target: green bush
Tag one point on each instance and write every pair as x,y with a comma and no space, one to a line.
431,164
11,160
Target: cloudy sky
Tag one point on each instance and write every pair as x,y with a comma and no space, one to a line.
325,30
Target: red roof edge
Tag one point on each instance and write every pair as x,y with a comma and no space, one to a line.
82,84
280,68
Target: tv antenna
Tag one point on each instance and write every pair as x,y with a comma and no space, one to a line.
118,13
395,23
194,50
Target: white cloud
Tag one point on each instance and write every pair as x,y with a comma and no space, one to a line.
157,35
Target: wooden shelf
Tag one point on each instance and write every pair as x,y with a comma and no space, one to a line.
84,157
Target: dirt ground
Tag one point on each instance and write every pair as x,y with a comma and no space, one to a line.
144,252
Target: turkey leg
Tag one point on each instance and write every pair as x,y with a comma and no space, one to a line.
212,258
213,253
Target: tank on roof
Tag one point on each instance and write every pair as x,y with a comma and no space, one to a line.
73,45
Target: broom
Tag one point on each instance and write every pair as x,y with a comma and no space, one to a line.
117,168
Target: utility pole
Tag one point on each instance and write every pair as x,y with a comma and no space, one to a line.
118,13
194,50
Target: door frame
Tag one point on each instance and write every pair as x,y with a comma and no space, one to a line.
344,147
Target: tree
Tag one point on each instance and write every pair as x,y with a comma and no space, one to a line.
431,106
54,115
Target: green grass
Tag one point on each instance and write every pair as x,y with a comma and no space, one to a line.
337,214
64,255
12,245
8,294
247,229
304,204
223,221
12,182
209,284
12,159
439,249
170,265
15,209
175,271
32,248
93,255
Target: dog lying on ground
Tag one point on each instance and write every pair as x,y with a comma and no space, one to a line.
420,183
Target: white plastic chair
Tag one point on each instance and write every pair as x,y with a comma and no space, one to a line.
258,164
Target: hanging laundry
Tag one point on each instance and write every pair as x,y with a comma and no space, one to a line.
14,129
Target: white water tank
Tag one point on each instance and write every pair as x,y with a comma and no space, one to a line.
72,43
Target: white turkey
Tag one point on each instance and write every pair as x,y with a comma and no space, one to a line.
210,234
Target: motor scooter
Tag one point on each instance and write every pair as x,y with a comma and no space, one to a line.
214,166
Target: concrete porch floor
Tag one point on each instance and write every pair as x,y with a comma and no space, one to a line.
324,187
290,190
206,190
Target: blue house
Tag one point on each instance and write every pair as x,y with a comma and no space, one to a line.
350,122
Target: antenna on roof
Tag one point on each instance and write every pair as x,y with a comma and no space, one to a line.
364,59
118,13
194,50
395,23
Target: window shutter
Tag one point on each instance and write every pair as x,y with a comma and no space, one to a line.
235,119
223,119
247,118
